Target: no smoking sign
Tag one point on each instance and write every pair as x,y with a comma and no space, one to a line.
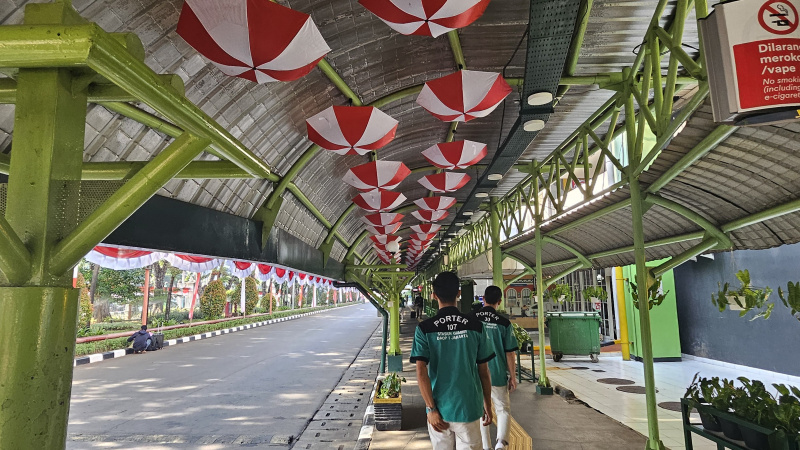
778,17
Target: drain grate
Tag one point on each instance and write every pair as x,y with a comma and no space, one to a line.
598,370
615,381
670,406
633,389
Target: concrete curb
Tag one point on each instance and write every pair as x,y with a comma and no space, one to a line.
98,357
368,424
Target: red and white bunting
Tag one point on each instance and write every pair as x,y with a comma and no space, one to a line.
377,175
382,219
351,130
256,40
389,229
429,216
241,269
455,155
426,228
191,263
464,95
433,203
282,274
444,182
123,258
379,200
426,17
263,272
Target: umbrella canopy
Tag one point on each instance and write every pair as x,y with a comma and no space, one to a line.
389,229
426,228
379,200
445,181
455,155
464,95
429,216
384,239
382,219
256,40
376,175
423,236
426,17
351,130
433,203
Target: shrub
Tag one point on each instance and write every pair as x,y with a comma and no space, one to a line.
84,303
212,303
250,295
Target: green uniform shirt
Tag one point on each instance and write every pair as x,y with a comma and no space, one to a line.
453,344
501,336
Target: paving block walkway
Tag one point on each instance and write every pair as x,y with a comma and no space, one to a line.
551,421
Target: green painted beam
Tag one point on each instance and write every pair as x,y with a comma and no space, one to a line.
708,143
123,203
568,248
705,245
455,46
767,214
195,170
5,164
98,92
577,266
375,266
721,238
15,259
337,81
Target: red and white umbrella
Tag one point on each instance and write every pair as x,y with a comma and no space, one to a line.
429,216
389,229
377,175
384,239
418,246
464,95
351,130
455,155
379,200
257,40
426,17
426,228
445,181
423,236
382,219
432,203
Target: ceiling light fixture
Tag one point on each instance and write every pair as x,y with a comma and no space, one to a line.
468,213
459,224
494,177
481,194
533,125
540,98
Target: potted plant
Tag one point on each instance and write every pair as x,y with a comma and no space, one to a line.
523,338
698,393
559,293
388,402
655,295
745,299
756,406
595,293
787,412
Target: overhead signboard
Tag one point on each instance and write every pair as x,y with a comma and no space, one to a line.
752,50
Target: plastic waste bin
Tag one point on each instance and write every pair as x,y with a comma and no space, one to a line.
574,333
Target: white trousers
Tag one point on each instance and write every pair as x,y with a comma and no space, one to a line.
460,436
502,408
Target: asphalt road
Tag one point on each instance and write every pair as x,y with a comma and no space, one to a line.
249,388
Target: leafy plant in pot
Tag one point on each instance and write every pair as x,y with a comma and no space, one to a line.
390,386
745,299
756,406
787,411
698,393
559,293
655,295
595,292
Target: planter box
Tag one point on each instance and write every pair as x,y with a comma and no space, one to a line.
388,411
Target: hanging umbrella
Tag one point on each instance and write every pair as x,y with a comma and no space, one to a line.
429,216
464,95
382,219
377,175
423,236
379,200
445,181
351,130
389,229
455,155
432,203
384,239
426,17
257,40
426,228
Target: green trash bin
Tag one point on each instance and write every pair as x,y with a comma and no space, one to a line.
574,333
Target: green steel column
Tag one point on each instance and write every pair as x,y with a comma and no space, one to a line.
543,381
497,252
394,318
637,212
37,345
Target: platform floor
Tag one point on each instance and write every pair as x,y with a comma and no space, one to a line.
255,388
